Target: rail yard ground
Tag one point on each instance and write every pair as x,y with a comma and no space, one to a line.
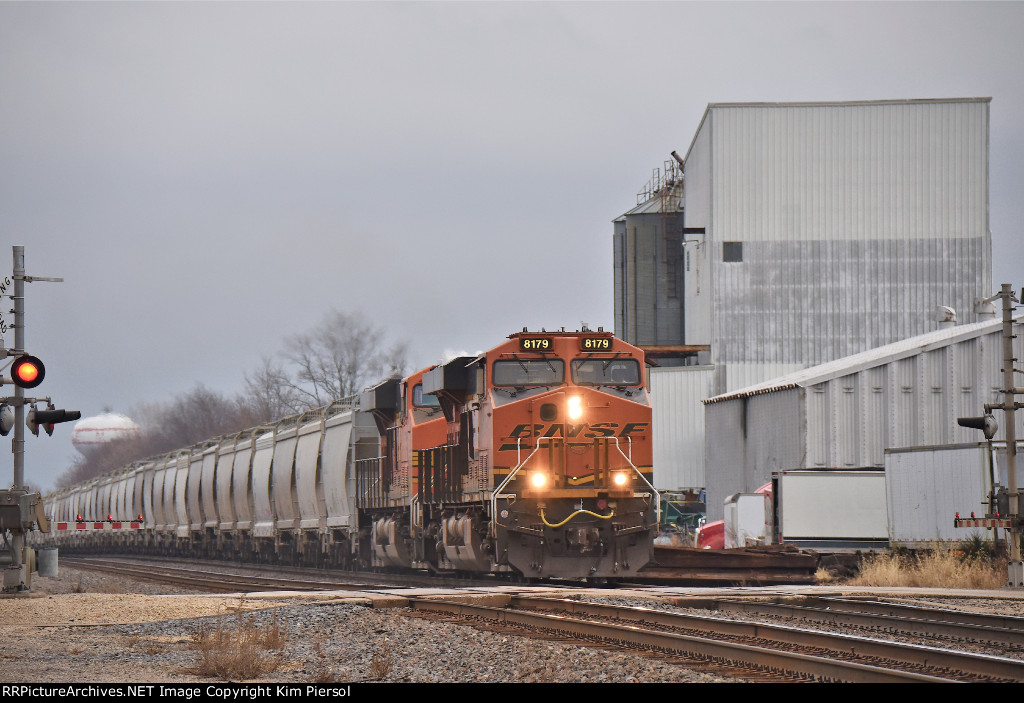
85,627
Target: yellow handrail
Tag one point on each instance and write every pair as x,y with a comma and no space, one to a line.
588,512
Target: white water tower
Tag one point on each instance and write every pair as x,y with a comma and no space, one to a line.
99,430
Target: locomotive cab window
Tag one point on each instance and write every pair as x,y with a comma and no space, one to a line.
528,372
425,406
424,400
606,372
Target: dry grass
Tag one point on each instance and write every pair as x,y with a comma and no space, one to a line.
381,664
243,652
823,575
946,568
324,675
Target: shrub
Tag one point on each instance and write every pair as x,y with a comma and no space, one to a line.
244,652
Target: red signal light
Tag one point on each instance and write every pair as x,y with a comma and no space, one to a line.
27,371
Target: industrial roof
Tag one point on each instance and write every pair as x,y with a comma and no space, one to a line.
838,103
651,206
869,359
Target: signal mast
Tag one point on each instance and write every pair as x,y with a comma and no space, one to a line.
20,510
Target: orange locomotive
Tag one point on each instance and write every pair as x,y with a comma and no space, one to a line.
534,457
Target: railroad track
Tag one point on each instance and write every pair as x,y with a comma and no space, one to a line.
203,579
1002,633
216,576
752,651
749,649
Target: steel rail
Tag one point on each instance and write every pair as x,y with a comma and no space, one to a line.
985,620
339,579
794,665
932,623
913,655
206,580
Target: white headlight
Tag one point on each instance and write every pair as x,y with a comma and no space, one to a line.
620,479
538,480
575,407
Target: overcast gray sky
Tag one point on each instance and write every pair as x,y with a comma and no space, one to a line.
211,178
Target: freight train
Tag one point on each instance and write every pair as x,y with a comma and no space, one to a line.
533,458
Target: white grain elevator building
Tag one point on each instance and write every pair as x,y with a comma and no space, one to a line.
808,232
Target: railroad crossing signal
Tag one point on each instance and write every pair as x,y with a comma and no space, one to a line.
985,423
27,371
48,418
6,419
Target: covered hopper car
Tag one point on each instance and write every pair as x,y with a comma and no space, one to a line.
533,458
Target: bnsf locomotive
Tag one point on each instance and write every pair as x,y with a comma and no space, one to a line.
534,458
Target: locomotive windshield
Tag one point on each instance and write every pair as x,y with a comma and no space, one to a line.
606,372
529,372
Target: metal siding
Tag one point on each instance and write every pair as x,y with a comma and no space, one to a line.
242,484
774,432
139,492
167,497
128,511
159,478
148,510
697,282
308,486
208,488
1000,462
874,405
225,494
286,504
678,425
334,462
195,484
850,171
927,486
620,278
181,470
818,422
857,220
263,512
852,420
724,454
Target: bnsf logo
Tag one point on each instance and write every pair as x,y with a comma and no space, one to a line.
582,430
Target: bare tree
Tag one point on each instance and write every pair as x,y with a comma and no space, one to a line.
270,393
337,359
340,357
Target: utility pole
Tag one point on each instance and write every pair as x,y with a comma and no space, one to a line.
20,511
1011,519
1009,405
18,488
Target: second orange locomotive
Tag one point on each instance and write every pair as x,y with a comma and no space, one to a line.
534,457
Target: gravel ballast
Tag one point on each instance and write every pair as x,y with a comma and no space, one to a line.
117,631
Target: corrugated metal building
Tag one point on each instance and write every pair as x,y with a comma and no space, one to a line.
812,231
847,413
831,228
